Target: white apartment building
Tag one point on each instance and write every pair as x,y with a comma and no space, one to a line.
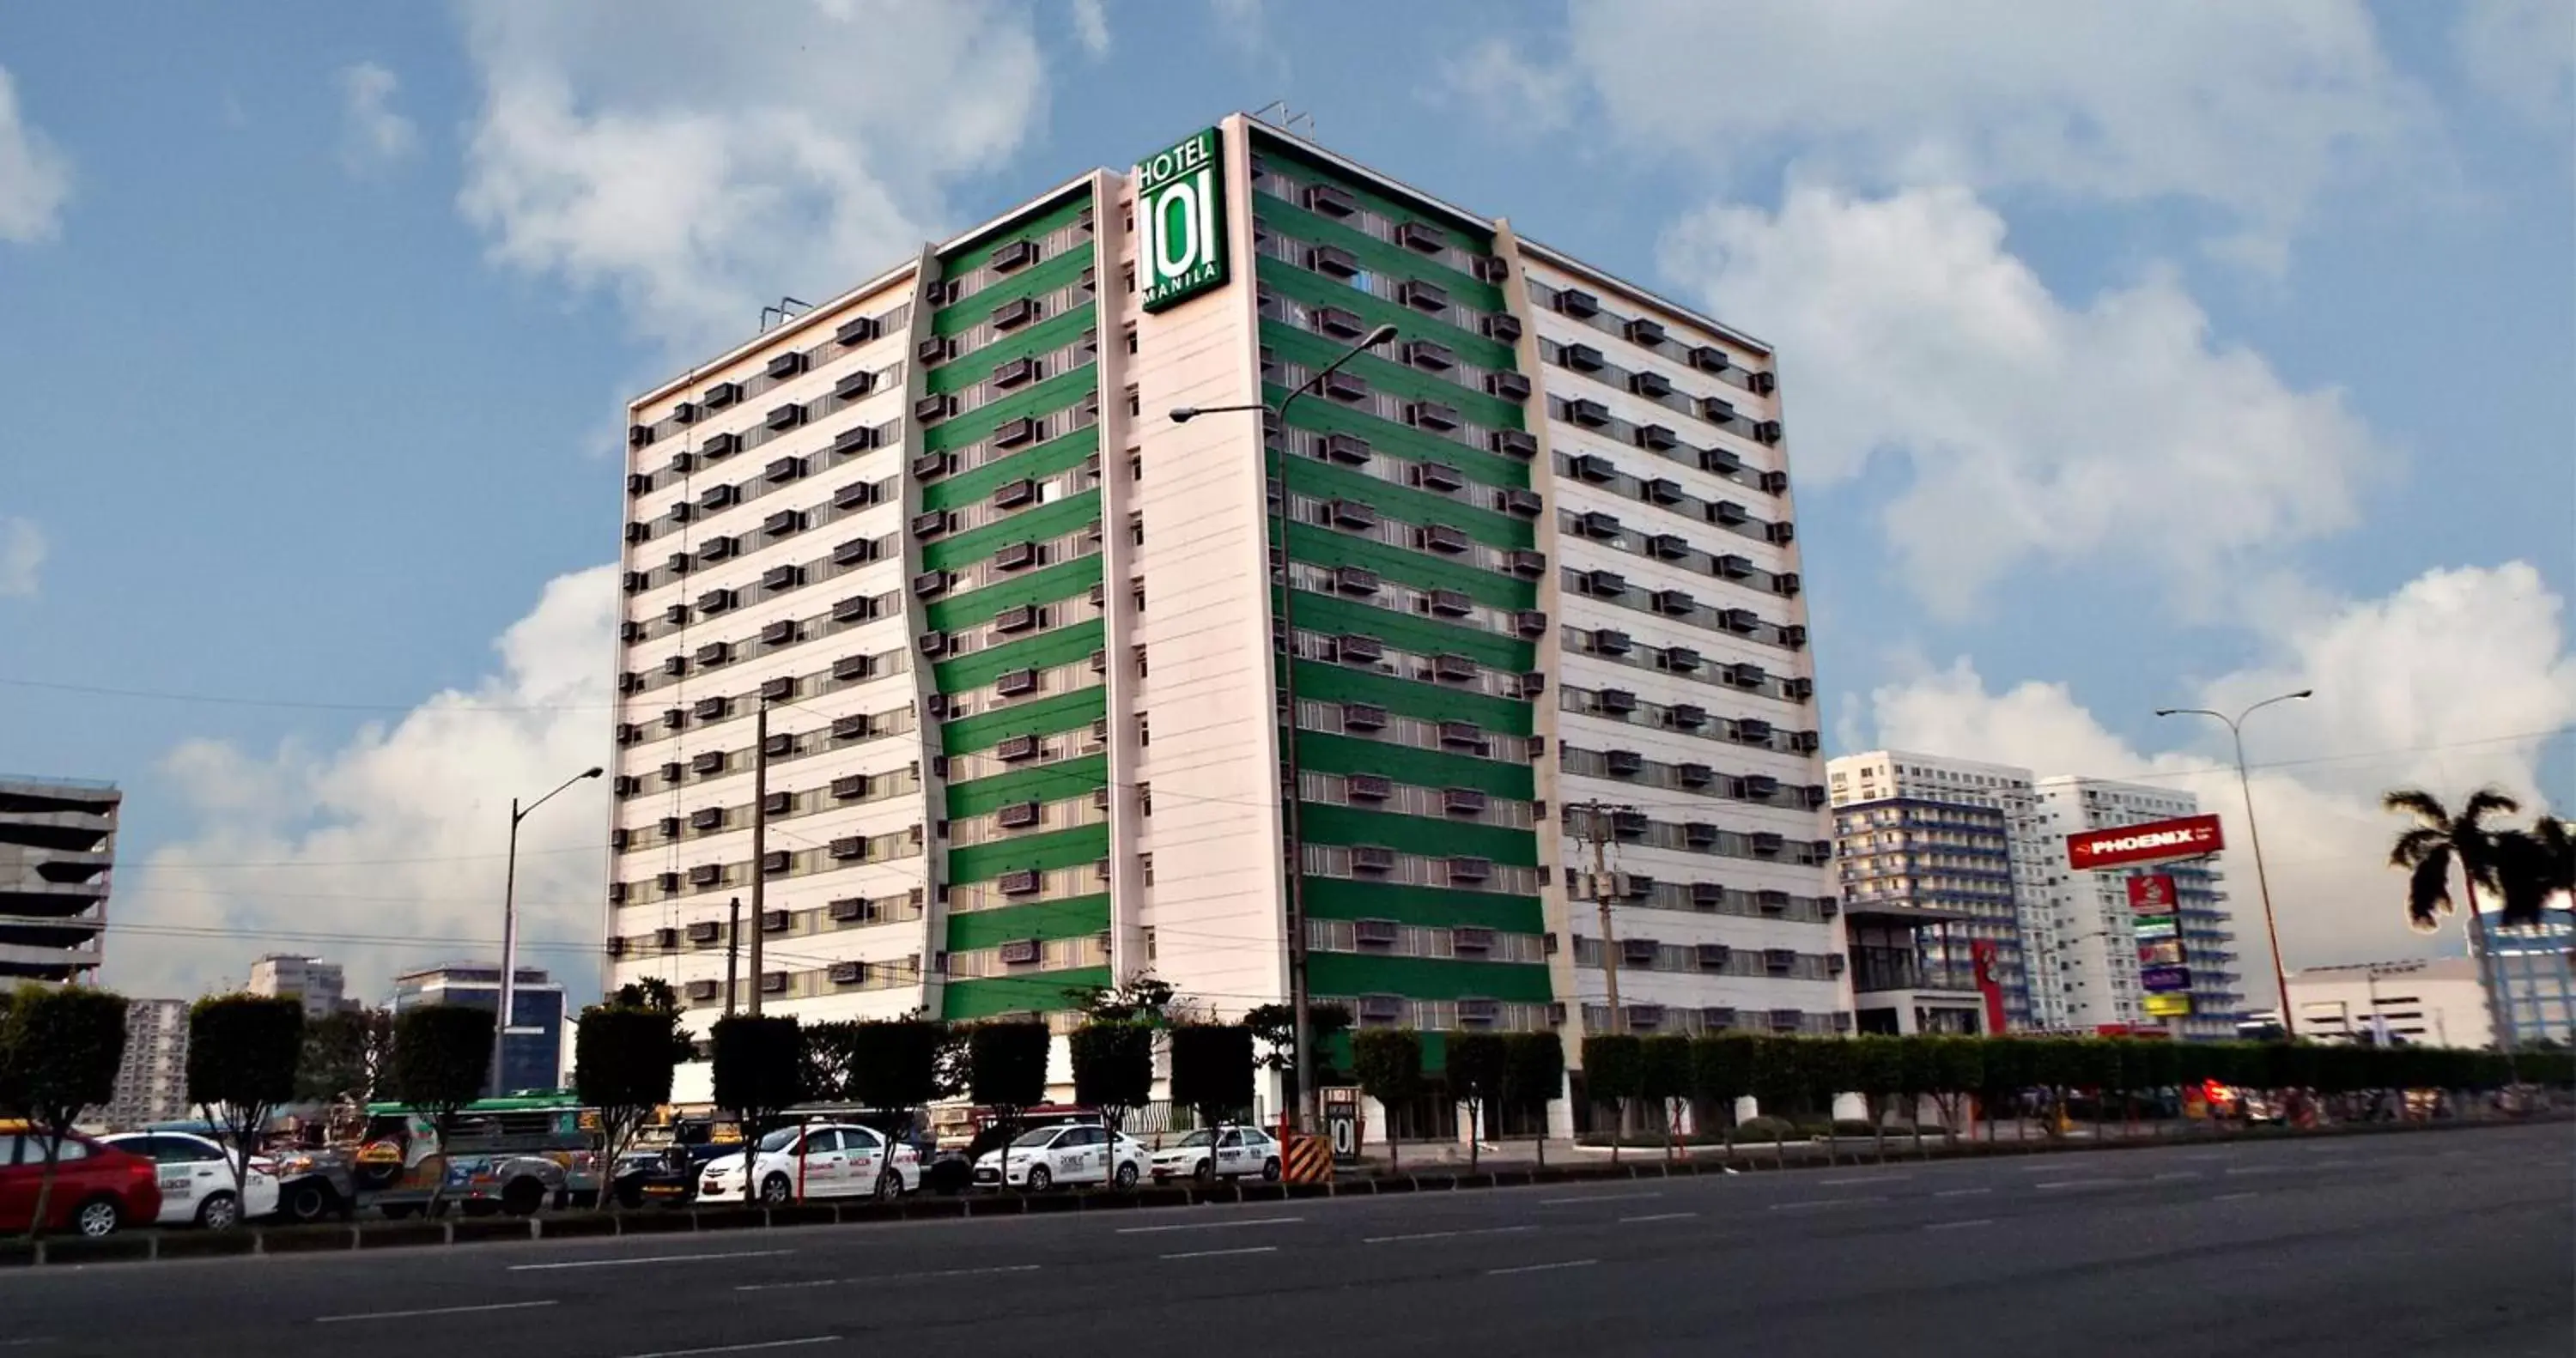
2432,1002
152,1080
320,985
2096,961
1013,630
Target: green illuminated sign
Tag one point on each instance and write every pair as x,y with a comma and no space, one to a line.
1180,208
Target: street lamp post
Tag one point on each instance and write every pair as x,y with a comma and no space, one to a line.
2262,884
1290,773
510,926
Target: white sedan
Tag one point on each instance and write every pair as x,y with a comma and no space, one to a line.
197,1180
823,1160
1083,1153
1219,1152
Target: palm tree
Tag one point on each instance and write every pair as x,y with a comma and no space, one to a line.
2534,865
2485,856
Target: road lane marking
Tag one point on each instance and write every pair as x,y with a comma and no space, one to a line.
2082,1183
1597,1197
649,1259
1219,1254
2252,1169
2234,1197
1444,1235
1540,1268
1865,1179
2173,1174
742,1348
1959,1225
1823,1202
432,1311
892,1278
2330,1164
1657,1216
1208,1225
1961,1192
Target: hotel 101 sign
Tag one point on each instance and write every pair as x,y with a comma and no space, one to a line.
1180,211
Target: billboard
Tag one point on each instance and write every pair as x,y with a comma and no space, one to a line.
2171,1004
2154,842
1180,220
2153,894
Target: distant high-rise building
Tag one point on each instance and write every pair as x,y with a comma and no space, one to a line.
57,844
152,1080
2532,972
2096,962
319,984
530,1060
1939,860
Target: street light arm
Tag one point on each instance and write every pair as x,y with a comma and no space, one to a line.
523,812
2278,698
1367,342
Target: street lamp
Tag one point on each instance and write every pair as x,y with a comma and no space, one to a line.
510,925
2245,786
1290,774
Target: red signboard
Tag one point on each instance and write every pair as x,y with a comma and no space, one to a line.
2153,842
1992,990
2152,893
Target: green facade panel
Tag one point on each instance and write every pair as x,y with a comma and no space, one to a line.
1319,752
1412,632
1376,256
1324,481
1044,337
1319,823
1060,581
1042,524
1290,344
1323,546
1079,846
1314,289
1041,920
1061,781
1042,991
1044,460
1319,682
1399,440
1425,906
1038,717
1296,163
1063,646
1426,978
1045,398
1043,219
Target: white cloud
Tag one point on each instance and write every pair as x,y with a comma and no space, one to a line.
695,164
2522,52
2390,677
1091,26
373,135
2255,109
1494,76
35,179
2034,430
398,835
22,556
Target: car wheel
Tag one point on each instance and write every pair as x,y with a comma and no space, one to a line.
222,1212
1127,1177
306,1202
1039,1179
523,1197
775,1191
889,1185
1270,1170
1206,1171
98,1217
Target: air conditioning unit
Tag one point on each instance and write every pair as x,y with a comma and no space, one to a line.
1616,701
1017,749
1462,735
773,983
1622,763
1372,858
848,973
849,848
849,909
1714,956
1479,1013
1381,1009
1368,787
1363,717
1611,641
1351,647
1439,476
1375,932
1639,952
1020,952
1348,449
700,991
1464,801
705,931
1022,883
1470,869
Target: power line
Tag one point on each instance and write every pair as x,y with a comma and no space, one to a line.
165,695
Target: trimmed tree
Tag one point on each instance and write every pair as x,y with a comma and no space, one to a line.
1614,1071
1721,1074
759,1070
1212,1070
1274,1027
894,1068
442,1052
63,1048
1389,1062
1479,1067
826,1052
346,1057
1880,1070
1958,1072
622,1059
1113,1070
1006,1065
1779,1081
1827,1065
1664,1076
242,1055
1534,1074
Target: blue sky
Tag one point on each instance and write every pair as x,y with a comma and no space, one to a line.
2130,359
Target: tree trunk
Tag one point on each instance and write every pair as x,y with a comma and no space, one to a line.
1475,1134
1618,1127
45,1187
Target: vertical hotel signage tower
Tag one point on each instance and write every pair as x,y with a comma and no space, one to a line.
1015,629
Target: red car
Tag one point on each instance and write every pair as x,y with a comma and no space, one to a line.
97,1188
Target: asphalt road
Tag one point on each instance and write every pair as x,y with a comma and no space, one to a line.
2421,1245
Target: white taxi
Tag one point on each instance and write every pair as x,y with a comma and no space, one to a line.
1219,1152
1083,1153
197,1179
817,1160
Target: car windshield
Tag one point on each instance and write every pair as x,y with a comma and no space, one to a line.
1200,1137
781,1139
1031,1140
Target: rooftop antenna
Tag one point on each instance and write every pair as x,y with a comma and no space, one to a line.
1307,118
786,309
1279,104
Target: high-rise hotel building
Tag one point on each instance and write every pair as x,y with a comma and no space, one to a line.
1013,628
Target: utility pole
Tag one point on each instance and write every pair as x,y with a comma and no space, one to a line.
759,854
1598,836
733,953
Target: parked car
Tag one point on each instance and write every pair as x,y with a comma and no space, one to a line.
97,1188
669,1174
197,1179
963,1139
316,1183
816,1160
1218,1152
1078,1153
